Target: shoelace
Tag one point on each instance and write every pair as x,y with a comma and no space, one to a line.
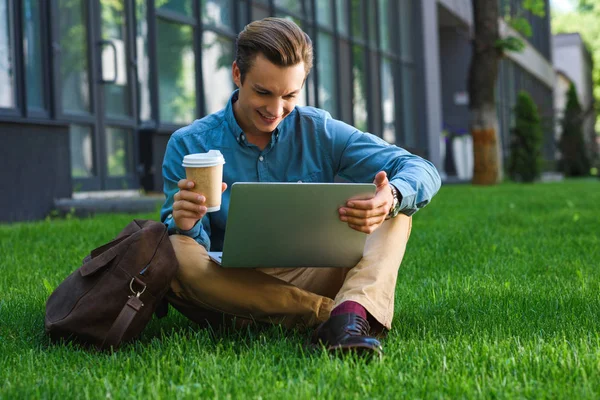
361,327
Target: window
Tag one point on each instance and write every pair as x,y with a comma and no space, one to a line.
388,103
341,8
32,51
217,56
176,72
118,148
143,61
359,85
7,78
324,13
217,13
179,6
74,84
82,156
325,63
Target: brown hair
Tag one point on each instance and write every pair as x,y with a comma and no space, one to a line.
281,41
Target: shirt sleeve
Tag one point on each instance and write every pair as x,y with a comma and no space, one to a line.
172,172
360,156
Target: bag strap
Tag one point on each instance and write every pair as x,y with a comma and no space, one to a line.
119,327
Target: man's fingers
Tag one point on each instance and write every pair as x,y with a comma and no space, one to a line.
365,221
223,187
189,206
186,195
187,214
185,184
371,204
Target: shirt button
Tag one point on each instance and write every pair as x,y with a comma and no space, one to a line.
242,137
261,158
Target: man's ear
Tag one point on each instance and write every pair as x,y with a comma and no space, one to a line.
236,74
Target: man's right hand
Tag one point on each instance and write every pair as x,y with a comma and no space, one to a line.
188,207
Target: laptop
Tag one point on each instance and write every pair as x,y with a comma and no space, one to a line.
291,225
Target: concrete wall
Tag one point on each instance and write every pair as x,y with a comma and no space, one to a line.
35,169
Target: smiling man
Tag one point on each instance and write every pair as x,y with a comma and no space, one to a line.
265,137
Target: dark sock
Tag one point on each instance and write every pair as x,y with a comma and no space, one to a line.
349,307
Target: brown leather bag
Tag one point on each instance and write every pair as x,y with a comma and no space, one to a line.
111,297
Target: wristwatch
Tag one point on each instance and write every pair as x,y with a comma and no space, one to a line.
395,210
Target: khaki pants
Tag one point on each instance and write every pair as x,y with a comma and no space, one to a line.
204,291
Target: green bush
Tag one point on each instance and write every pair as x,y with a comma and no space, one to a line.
574,160
526,161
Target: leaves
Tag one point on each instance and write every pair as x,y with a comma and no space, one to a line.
510,43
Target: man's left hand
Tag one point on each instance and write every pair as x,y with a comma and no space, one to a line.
368,215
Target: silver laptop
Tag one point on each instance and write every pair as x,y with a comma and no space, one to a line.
291,225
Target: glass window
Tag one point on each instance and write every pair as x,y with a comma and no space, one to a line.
32,51
324,14
176,72
217,13
387,101
406,39
143,60
82,155
325,63
384,27
295,20
217,57
181,6
119,145
114,60
408,110
358,28
372,23
73,57
359,86
293,6
341,15
7,83
259,11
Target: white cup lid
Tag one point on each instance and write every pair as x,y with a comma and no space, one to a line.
210,159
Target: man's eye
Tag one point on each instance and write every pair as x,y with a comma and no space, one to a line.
290,96
261,92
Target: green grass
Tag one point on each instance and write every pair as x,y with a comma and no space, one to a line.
498,296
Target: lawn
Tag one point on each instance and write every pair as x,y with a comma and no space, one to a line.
498,296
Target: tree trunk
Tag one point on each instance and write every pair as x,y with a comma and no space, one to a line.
487,151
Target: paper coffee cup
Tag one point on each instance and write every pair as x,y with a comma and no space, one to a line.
206,171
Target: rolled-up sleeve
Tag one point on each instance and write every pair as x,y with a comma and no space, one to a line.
173,172
360,156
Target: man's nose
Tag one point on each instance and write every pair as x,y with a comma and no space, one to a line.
275,107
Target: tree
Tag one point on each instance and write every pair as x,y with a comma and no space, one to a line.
584,20
526,141
488,48
574,161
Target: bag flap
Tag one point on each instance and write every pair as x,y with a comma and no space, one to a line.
98,262
102,249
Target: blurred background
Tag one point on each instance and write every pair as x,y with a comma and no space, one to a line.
90,91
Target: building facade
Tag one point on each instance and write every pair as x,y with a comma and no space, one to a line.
574,64
92,89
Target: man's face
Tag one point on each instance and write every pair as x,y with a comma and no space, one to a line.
268,95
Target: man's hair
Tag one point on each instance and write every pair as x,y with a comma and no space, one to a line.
281,41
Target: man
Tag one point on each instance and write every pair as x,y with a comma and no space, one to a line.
265,137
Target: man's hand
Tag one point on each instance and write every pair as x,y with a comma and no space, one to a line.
188,207
367,215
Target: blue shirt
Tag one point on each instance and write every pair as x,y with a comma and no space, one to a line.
307,146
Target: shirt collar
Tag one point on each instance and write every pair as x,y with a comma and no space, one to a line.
233,126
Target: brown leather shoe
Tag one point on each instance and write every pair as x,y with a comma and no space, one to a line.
347,332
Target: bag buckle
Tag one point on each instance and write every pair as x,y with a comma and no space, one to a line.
136,293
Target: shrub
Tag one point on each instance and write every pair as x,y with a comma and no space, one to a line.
574,160
525,163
